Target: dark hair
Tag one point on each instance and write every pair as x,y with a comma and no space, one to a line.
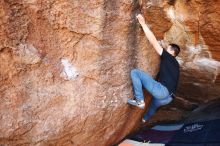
175,48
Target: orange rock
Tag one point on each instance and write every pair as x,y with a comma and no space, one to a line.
65,71
64,66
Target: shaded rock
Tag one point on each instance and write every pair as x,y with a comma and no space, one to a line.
195,27
200,65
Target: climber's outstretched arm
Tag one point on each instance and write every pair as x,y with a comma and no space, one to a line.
150,36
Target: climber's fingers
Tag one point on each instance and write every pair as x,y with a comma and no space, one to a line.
140,2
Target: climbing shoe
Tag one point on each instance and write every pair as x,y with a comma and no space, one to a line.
143,120
136,103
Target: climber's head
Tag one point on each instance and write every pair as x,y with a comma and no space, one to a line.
173,49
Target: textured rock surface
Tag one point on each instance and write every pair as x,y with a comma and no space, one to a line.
195,27
64,66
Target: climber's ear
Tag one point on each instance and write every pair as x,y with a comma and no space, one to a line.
170,50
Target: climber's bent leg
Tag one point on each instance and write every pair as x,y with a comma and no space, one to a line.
139,79
155,104
157,90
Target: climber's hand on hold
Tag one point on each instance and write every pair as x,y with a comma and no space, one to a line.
149,34
140,19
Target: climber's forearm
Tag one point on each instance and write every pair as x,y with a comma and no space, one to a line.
152,39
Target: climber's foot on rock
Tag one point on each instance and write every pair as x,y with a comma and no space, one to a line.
147,124
137,103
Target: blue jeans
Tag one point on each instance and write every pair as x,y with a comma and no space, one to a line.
156,89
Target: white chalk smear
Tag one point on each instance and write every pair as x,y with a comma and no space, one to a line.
69,72
171,13
180,60
210,65
209,62
196,49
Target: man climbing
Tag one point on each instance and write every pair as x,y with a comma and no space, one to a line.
163,88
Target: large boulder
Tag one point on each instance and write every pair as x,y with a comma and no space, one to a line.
65,65
64,71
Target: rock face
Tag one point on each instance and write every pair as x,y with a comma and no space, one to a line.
195,27
64,66
64,71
